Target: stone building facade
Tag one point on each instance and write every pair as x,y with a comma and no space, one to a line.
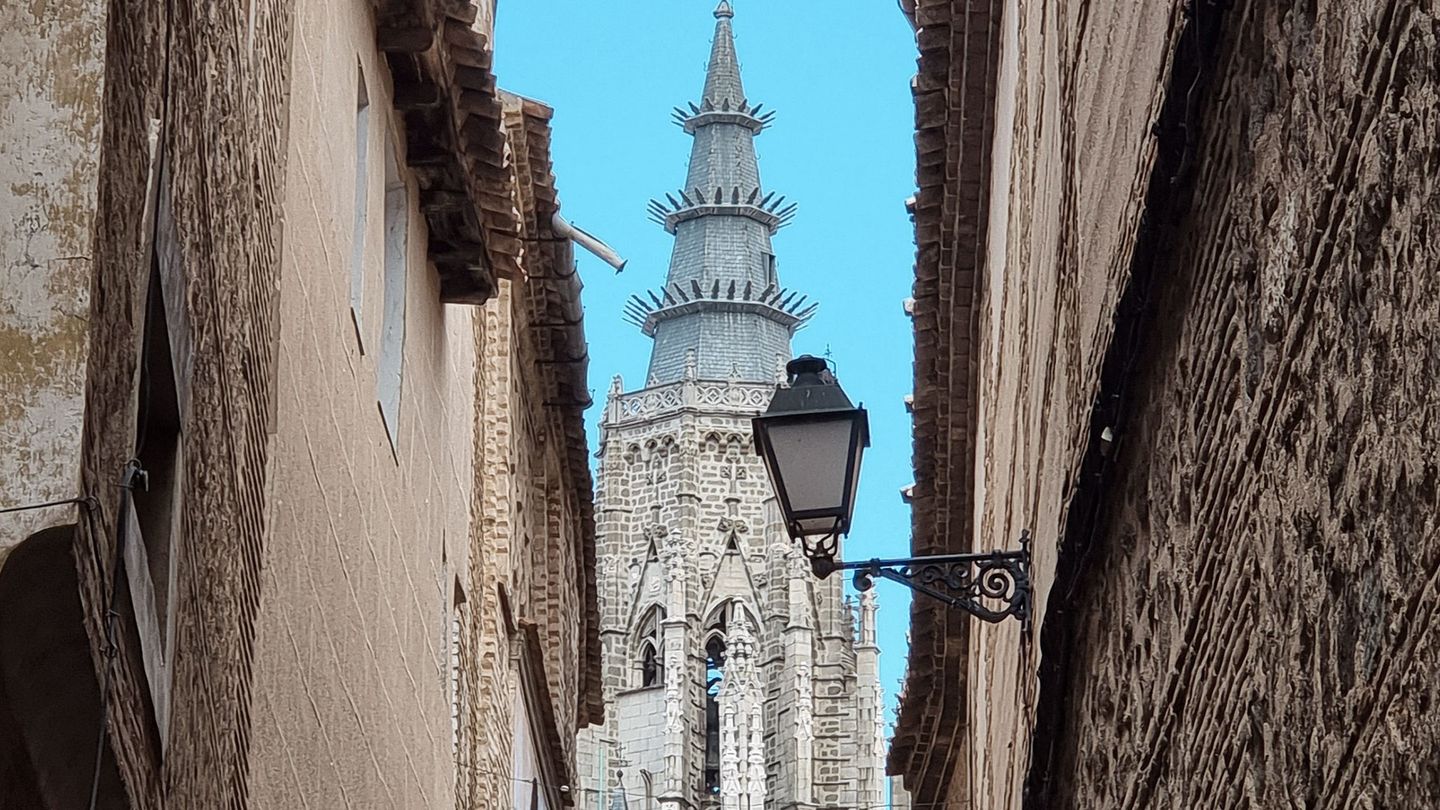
732,677
1175,314
527,654
314,374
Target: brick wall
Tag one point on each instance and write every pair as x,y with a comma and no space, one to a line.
524,540
1269,531
217,76
1207,233
530,585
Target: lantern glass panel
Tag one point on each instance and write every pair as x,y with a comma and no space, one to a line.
811,459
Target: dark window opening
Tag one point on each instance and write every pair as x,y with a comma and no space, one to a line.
714,676
652,667
651,673
157,445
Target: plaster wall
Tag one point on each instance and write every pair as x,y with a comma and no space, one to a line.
52,60
352,659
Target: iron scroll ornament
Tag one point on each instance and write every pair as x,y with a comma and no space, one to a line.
989,586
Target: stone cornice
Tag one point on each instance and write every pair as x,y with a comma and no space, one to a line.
691,123
780,316
717,397
786,307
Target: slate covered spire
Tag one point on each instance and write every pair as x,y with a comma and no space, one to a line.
721,300
722,79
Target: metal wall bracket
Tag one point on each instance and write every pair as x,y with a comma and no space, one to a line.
988,586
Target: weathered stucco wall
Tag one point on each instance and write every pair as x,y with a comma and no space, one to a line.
52,63
352,656
1259,615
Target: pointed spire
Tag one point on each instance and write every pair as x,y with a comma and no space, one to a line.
722,79
723,262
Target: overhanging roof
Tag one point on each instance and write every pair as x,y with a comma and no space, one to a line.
455,141
954,104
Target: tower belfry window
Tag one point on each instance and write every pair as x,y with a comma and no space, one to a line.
714,677
652,667
651,673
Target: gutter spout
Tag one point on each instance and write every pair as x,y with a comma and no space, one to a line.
579,236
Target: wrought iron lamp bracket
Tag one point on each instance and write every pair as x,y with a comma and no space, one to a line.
989,586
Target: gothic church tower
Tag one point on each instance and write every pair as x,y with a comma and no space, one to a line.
733,679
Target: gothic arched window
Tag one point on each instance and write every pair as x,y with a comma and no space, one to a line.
652,666
651,672
714,675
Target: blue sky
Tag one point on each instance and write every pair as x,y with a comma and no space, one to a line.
838,74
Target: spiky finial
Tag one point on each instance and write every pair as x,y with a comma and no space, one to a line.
723,11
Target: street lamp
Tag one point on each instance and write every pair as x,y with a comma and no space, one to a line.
812,439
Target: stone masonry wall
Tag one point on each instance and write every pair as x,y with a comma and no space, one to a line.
1260,609
219,115
679,470
1076,99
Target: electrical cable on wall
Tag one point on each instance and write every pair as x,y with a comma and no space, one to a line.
128,478
91,504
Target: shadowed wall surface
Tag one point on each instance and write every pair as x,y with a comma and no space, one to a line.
1259,625
1205,322
49,701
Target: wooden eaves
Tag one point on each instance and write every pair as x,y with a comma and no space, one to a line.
954,104
455,141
